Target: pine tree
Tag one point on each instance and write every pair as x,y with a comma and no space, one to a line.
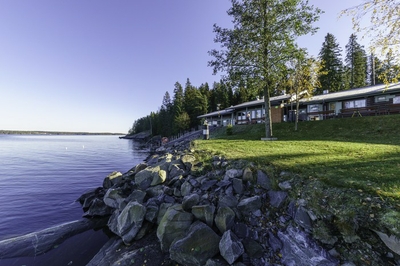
332,66
177,105
356,62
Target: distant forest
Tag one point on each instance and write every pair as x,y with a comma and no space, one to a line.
19,132
353,70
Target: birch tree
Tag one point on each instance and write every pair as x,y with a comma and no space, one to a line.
261,42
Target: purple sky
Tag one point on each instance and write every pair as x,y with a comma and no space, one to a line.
97,66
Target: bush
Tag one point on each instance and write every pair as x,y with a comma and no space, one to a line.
229,130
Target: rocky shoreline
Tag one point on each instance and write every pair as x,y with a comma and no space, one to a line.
175,210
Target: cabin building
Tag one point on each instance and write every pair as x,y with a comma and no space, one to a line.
371,100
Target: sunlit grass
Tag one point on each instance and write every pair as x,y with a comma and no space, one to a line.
348,153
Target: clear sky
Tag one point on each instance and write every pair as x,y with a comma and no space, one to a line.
98,65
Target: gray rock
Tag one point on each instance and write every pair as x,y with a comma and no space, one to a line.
285,185
274,242
204,213
174,224
186,188
155,191
237,185
200,244
207,184
137,195
228,201
230,247
145,251
144,178
176,169
233,173
162,210
224,219
277,198
241,230
249,205
253,248
130,221
303,219
188,160
112,179
189,201
216,262
151,176
113,198
98,209
248,175
263,180
299,249
151,210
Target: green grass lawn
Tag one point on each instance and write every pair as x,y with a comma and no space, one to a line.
361,153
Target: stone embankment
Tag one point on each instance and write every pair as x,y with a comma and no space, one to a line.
171,210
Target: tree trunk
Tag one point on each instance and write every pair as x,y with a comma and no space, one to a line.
297,114
268,120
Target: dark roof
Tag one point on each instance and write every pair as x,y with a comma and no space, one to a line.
353,93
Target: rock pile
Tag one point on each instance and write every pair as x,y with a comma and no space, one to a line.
169,210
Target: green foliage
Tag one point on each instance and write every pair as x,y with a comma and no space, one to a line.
229,130
332,68
356,62
261,42
182,121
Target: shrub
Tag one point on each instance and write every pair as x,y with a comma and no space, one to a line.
229,130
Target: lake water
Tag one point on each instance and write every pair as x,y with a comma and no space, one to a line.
41,176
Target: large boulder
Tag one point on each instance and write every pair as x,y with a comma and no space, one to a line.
150,176
204,213
230,247
113,198
249,205
98,209
112,179
263,180
233,173
277,198
224,219
174,224
129,221
248,175
189,201
200,244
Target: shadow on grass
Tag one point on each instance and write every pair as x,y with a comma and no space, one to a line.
374,129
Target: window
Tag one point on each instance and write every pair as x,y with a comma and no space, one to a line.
355,104
396,100
382,98
313,108
332,106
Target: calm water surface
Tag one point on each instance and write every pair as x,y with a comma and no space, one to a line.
42,176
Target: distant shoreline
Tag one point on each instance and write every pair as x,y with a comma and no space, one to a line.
38,132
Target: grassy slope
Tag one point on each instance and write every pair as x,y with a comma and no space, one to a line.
361,153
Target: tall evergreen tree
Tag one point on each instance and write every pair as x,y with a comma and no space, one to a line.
391,70
375,70
356,62
332,66
177,105
195,104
